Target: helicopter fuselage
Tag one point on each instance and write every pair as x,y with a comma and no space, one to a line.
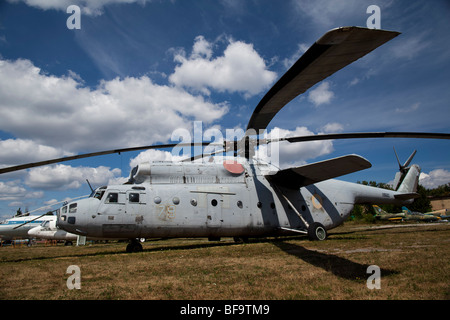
165,199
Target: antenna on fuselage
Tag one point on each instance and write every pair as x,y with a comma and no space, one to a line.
92,190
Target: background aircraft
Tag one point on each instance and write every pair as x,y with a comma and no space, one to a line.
18,227
405,215
419,216
380,214
48,231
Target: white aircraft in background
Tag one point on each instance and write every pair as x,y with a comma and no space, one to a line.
48,231
18,227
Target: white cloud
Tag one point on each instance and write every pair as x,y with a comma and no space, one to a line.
321,94
61,113
326,14
63,177
434,178
14,191
89,7
409,109
332,127
27,151
293,154
240,69
301,49
153,155
355,81
410,46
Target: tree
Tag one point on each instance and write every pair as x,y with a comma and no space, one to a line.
421,204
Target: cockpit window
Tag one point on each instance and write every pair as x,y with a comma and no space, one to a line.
73,208
133,197
64,209
99,194
112,197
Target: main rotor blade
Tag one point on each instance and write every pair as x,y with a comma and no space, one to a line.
398,161
100,153
333,51
363,135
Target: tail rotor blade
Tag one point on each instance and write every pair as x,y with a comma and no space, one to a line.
398,161
409,159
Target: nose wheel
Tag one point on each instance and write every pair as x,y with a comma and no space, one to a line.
134,246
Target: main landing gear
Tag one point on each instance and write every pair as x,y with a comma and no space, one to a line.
134,246
316,231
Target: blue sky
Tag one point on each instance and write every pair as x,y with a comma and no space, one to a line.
137,71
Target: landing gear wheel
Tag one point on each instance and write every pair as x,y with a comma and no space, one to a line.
316,231
134,246
240,239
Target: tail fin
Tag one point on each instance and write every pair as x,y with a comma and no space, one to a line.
411,180
407,179
378,210
403,169
405,210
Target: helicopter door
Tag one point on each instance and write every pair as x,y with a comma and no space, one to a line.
136,203
214,210
114,203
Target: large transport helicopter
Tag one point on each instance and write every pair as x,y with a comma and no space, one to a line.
242,197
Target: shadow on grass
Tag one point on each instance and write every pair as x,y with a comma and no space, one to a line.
339,266
102,252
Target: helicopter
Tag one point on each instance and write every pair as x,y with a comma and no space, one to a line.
242,196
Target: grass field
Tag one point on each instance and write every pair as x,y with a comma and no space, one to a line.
413,260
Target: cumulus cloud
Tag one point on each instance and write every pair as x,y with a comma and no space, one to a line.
62,113
63,177
321,94
89,7
434,178
154,155
292,154
14,191
333,127
27,151
240,69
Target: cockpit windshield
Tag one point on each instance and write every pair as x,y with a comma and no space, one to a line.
45,224
98,193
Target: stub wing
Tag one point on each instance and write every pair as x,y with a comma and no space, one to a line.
295,178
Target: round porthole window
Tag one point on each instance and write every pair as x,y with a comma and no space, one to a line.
214,202
157,200
194,202
176,200
239,204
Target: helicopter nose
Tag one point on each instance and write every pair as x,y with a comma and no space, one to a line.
67,217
